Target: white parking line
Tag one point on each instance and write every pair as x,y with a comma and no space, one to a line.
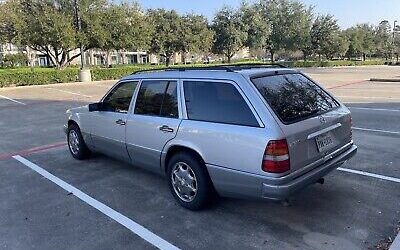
376,130
382,177
70,92
8,98
136,228
376,109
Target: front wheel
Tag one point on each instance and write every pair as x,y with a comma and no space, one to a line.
76,144
189,182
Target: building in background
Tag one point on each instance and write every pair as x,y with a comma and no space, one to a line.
96,57
93,57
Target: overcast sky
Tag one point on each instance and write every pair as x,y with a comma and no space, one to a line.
348,12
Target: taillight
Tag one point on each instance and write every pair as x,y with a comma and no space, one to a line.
276,157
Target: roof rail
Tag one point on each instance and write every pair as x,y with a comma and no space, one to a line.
224,67
216,67
148,70
256,65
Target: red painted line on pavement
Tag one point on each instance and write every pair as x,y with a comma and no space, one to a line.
346,84
32,150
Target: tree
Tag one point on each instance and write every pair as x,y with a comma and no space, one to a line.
396,43
302,29
51,26
367,35
325,36
166,33
123,28
290,23
276,13
344,44
256,26
355,42
230,34
361,39
382,39
196,35
49,29
10,23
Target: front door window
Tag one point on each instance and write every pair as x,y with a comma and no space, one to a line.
119,99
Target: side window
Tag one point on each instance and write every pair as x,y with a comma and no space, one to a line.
119,99
157,98
170,103
217,102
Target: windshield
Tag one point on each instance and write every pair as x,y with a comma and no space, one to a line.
293,97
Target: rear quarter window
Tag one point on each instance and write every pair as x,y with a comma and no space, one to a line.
218,102
293,97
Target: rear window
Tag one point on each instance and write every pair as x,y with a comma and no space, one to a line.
293,97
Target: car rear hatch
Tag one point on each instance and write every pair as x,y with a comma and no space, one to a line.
314,123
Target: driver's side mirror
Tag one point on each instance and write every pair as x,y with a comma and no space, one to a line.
95,106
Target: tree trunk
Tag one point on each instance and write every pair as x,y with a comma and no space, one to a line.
272,53
122,55
364,56
167,59
304,56
229,57
183,57
108,58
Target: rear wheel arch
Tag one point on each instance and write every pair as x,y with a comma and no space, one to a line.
181,149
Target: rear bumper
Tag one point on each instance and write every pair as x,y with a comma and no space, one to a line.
285,189
233,183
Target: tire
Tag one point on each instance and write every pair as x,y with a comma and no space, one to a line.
76,145
185,167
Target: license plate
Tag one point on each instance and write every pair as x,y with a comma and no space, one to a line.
324,142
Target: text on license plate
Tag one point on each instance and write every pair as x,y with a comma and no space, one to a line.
324,141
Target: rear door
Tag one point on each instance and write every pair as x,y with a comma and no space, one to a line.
315,124
154,122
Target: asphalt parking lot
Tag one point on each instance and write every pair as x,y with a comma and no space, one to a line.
357,208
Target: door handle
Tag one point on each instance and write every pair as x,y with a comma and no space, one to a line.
165,128
120,122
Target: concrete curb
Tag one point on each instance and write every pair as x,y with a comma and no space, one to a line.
396,243
385,79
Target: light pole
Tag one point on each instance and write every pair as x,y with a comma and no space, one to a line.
394,41
84,73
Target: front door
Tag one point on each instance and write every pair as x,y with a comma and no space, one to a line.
153,123
108,125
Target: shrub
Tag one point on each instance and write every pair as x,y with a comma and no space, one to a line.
14,60
116,73
22,77
39,76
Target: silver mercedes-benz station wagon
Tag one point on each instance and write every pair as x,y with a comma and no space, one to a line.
244,131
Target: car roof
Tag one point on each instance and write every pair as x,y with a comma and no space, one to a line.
214,72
